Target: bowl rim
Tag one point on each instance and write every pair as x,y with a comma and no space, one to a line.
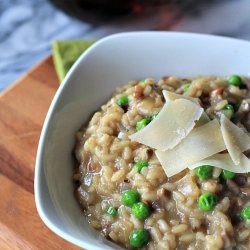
40,150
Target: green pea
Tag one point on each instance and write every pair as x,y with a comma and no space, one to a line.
141,210
225,174
142,123
142,81
235,80
204,172
229,107
207,201
140,165
245,213
123,100
130,197
139,238
186,87
112,211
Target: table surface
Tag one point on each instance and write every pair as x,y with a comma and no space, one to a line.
20,225
27,27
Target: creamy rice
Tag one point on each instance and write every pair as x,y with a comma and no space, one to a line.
106,156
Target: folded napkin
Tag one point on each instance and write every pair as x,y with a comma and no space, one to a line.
66,52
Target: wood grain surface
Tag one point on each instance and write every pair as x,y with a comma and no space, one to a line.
22,111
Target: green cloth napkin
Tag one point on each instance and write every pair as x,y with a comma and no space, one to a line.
66,52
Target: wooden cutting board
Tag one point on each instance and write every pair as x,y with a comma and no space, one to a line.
22,111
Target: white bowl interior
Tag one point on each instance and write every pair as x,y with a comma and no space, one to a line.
110,62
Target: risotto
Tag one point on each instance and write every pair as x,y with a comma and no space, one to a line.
125,192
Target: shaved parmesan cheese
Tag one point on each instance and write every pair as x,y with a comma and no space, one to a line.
236,140
174,122
171,96
201,143
203,119
224,161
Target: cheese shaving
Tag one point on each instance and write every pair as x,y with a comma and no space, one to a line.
201,143
224,161
173,123
171,96
203,119
236,140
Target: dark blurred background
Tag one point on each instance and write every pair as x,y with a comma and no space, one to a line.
99,10
27,27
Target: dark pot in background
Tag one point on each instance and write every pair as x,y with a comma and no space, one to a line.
108,6
96,10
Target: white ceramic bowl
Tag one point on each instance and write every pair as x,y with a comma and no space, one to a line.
109,62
